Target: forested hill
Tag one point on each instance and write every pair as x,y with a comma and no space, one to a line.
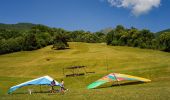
166,30
18,26
163,31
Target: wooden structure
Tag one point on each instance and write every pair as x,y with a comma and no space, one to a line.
75,71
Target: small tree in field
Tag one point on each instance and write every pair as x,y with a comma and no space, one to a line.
60,42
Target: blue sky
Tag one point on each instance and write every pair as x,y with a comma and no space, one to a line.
89,15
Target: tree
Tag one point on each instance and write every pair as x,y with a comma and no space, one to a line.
10,45
30,42
131,37
110,37
4,47
146,38
60,42
119,28
101,37
164,41
7,34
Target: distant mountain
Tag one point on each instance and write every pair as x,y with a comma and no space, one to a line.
18,26
163,31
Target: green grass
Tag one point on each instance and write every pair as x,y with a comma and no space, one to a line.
22,66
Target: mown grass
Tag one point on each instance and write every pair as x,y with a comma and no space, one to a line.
22,66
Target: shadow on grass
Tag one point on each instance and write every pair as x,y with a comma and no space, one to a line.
37,92
60,48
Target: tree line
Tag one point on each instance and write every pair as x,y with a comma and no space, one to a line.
121,36
40,36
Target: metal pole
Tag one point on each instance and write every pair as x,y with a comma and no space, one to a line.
40,89
63,72
106,64
116,79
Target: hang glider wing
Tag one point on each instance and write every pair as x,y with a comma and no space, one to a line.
121,77
96,84
116,77
46,80
103,80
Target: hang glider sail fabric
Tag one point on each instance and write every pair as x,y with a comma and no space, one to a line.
116,77
45,80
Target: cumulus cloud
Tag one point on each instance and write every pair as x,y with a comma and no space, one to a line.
137,7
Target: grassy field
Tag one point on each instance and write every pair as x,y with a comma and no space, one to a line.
22,66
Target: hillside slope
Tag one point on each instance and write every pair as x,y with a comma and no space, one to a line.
22,66
18,26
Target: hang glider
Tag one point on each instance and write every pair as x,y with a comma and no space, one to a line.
116,77
45,80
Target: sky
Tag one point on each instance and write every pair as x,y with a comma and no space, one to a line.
88,15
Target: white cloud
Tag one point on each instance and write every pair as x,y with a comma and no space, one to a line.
137,7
